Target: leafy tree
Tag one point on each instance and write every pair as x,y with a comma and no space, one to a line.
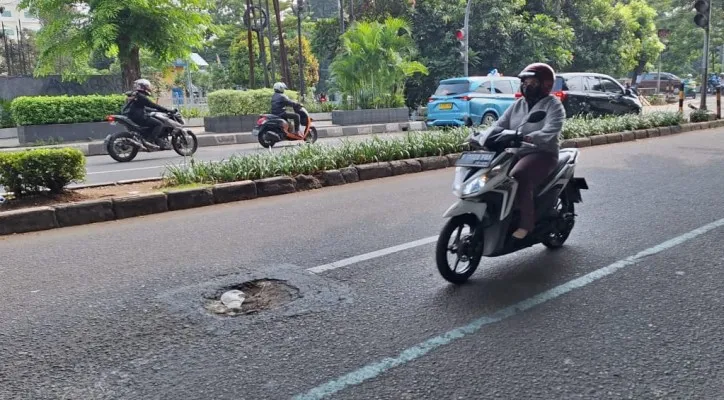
168,29
642,42
325,44
374,61
433,25
311,65
540,38
151,68
239,71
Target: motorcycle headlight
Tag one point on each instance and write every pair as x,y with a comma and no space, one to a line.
476,184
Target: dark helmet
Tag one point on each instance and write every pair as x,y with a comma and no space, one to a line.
545,74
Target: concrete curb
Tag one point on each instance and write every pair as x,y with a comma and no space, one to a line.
88,212
227,139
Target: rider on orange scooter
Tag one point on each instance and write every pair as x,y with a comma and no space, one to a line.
279,104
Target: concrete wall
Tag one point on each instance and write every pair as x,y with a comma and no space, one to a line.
12,87
87,131
364,117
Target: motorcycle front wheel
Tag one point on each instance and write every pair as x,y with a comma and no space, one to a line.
465,253
312,136
185,144
120,148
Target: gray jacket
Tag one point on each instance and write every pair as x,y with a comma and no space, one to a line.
543,134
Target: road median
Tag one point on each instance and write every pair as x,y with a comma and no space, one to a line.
170,199
227,139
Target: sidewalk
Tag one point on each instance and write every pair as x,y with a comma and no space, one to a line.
97,148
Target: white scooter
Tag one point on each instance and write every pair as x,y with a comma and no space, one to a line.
482,221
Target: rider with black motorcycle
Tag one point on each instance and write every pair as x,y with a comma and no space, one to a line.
280,102
137,101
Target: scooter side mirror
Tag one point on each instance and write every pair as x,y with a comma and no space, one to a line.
537,116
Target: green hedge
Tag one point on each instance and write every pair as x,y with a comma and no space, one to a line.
32,171
701,116
587,126
242,102
6,116
45,110
310,159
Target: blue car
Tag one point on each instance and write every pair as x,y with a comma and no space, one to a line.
471,101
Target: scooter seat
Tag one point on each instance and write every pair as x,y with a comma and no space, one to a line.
564,157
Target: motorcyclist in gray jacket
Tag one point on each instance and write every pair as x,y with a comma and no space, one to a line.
539,149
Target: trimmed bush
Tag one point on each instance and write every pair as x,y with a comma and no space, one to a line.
310,159
224,103
657,100
46,110
587,126
701,116
6,116
32,171
315,107
193,112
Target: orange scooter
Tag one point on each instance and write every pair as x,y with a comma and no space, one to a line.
271,129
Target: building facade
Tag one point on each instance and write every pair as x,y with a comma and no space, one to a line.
13,19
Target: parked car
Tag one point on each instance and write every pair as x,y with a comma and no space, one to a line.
648,82
471,101
594,94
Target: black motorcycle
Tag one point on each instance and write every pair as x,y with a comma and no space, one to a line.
124,146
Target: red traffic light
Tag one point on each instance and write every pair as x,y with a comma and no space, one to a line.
460,34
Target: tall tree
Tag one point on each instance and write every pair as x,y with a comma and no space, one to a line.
374,61
169,29
311,65
642,42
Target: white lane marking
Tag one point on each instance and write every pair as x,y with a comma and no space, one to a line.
371,255
376,369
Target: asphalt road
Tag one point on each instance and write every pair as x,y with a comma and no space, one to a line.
631,308
101,169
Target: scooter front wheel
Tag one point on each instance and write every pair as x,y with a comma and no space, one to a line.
456,239
312,136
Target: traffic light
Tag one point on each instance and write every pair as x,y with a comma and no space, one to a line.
701,19
460,36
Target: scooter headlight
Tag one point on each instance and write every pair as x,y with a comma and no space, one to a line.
477,184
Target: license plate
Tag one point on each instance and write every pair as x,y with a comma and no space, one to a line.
255,132
445,106
113,122
475,159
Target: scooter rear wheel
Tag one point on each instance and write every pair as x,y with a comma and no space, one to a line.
462,248
265,139
565,222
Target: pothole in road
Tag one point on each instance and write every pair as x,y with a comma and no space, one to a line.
258,295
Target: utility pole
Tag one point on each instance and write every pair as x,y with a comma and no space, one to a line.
703,20
466,28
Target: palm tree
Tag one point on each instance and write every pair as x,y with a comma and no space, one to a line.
374,61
